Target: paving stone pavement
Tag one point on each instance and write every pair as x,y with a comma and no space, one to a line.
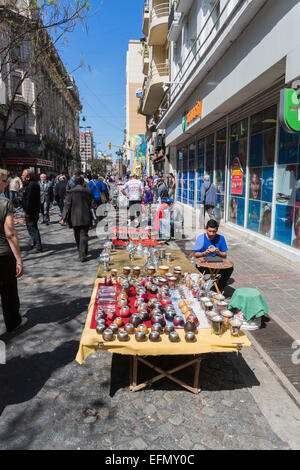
48,401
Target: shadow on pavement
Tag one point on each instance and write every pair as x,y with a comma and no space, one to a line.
22,378
217,372
60,313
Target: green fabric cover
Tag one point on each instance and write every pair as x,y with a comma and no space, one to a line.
250,302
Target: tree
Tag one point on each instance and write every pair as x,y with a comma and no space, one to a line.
98,167
29,31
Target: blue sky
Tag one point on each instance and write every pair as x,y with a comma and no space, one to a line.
102,79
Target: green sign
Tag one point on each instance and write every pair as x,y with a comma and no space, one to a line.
184,122
290,110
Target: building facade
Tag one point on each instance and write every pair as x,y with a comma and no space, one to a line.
39,100
156,69
134,132
229,62
86,149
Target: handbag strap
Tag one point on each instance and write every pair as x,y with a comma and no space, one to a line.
96,187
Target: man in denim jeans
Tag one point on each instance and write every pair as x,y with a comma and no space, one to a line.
14,187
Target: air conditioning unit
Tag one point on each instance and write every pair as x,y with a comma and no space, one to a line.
159,141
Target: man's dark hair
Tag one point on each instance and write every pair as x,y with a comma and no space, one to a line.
79,180
77,173
212,224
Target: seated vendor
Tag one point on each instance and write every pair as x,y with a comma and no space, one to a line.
212,244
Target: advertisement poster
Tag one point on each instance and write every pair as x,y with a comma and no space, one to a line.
138,158
237,177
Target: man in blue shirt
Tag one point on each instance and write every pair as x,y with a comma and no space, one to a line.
212,244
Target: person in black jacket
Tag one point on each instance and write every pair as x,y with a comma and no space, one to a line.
78,205
31,206
60,192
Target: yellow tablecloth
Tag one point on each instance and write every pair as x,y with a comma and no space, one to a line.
206,342
120,258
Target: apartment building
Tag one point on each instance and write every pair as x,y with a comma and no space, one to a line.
156,75
229,61
86,149
39,100
134,133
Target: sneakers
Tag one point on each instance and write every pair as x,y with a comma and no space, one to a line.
23,323
36,250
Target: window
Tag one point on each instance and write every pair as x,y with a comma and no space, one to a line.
287,212
20,122
16,53
261,170
237,172
17,84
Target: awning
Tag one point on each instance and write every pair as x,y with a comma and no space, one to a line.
20,157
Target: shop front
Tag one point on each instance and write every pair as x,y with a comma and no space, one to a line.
19,163
255,165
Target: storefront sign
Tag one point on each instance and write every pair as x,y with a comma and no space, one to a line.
47,163
290,110
237,177
190,116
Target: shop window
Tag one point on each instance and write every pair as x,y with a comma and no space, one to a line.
261,170
237,172
287,215
185,175
179,175
192,152
210,154
200,168
220,171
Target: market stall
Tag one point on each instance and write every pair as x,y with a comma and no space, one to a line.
152,306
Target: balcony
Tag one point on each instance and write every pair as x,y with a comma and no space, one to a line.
158,26
183,6
146,18
174,24
153,88
146,60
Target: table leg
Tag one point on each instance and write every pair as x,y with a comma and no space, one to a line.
196,376
169,375
214,273
134,371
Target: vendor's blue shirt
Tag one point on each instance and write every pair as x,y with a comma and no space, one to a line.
100,186
202,243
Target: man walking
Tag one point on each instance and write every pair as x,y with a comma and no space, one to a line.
208,201
60,192
31,205
78,205
14,187
46,192
162,191
11,266
134,191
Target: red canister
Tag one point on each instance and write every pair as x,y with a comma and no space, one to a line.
125,312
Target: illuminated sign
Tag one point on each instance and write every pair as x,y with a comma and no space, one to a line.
190,116
290,110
